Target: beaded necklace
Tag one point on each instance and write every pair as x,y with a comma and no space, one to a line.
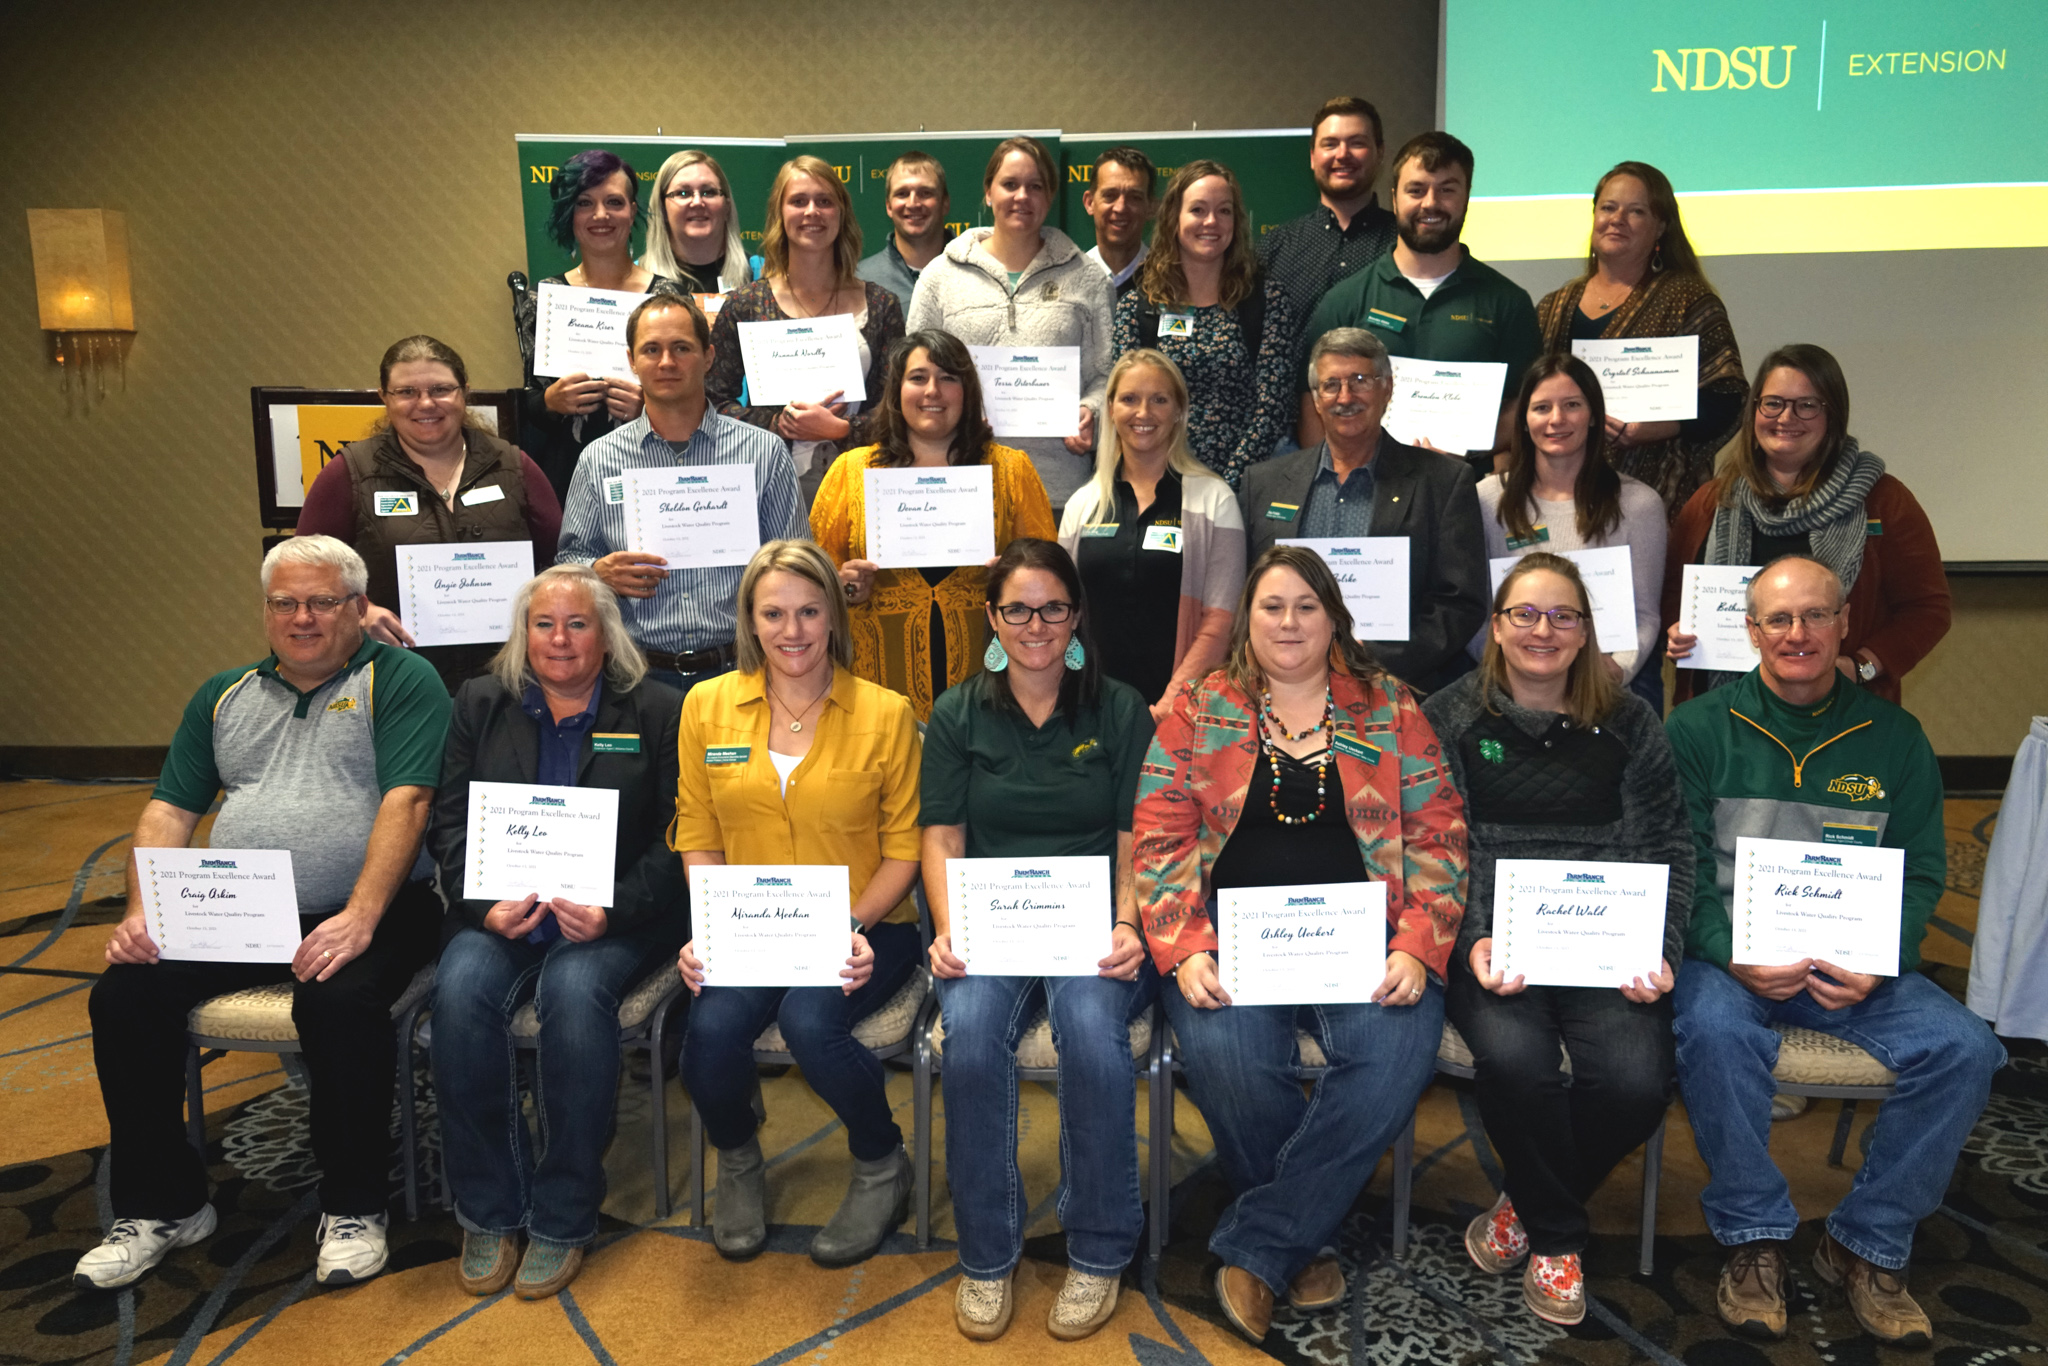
1328,726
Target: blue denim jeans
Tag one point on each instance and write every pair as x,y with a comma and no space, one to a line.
1943,1054
1297,1162
1100,1206
817,1024
500,1184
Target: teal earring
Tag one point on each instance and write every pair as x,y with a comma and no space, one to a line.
995,658
1075,656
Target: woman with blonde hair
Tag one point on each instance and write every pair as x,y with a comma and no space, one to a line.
1158,537
1556,761
793,758
810,253
1203,299
693,235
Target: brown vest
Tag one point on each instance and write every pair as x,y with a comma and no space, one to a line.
378,464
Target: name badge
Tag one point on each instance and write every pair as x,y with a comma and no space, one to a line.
1539,535
615,489
714,755
1356,749
1379,317
1873,526
1282,512
1176,324
398,505
488,493
601,743
711,303
1163,538
1842,832
1101,530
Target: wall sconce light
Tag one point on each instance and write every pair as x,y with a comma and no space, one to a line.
81,265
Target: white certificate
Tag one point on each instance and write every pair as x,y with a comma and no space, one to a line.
1454,405
921,517
1373,572
1038,917
1032,390
461,594
1578,924
220,905
772,925
1287,946
1837,902
1610,586
548,841
693,516
1646,379
583,332
1713,604
803,360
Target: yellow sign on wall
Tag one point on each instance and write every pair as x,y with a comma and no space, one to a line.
325,428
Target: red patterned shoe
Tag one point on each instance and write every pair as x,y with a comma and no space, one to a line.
1554,1288
1495,1239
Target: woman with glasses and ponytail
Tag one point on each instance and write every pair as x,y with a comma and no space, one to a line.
1556,761
1794,482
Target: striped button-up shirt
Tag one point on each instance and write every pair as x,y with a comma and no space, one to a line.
693,609
1337,507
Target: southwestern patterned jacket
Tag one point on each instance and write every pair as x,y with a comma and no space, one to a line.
1403,807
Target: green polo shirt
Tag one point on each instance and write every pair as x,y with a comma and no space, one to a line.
1478,314
1024,791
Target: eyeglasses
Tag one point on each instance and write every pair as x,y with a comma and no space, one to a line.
1805,409
1816,619
1561,618
1335,386
439,393
321,606
1052,614
683,194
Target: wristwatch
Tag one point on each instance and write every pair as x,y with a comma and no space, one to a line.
1865,670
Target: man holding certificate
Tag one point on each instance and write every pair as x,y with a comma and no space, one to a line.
679,602
1030,770
1582,869
1358,482
566,710
1793,752
1299,765
328,749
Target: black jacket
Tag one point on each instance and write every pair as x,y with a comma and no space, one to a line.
1429,498
490,740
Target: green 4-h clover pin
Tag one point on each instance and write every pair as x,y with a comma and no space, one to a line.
1492,752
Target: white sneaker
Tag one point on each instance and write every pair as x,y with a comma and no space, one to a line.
353,1247
133,1246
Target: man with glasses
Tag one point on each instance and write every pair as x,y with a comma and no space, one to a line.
330,748
1795,751
916,202
1358,481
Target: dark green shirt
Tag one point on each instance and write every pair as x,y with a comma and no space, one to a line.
1052,791
1478,314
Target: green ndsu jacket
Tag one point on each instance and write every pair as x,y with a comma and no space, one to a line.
1852,769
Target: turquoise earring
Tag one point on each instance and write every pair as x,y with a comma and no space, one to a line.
1075,656
995,658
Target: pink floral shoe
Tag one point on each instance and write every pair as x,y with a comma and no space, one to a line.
1495,1239
1554,1288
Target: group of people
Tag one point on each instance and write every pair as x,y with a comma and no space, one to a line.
1149,672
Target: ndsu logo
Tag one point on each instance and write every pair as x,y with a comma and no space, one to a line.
1714,68
1856,787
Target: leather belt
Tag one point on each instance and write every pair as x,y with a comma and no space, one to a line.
692,661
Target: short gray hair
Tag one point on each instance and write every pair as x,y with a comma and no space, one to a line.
1356,342
322,552
624,665
1749,589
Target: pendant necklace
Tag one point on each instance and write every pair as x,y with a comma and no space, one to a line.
798,723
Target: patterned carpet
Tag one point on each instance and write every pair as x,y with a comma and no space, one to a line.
655,1291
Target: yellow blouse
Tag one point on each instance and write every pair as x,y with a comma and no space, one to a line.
892,630
853,799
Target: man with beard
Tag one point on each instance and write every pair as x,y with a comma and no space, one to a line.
1348,230
1428,298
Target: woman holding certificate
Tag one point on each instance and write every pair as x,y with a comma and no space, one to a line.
921,630
1644,280
1796,483
1036,758
1158,537
1557,763
794,759
810,251
1023,284
430,477
1202,299
1303,764
693,235
567,704
595,202
1559,493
